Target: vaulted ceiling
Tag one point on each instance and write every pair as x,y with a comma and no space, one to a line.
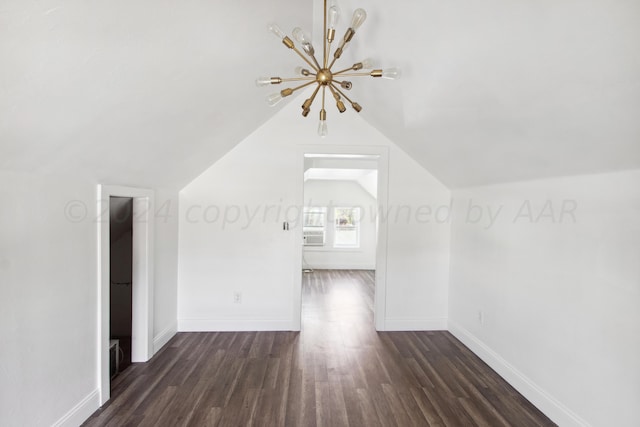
492,91
133,91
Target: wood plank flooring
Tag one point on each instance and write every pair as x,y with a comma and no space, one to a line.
338,371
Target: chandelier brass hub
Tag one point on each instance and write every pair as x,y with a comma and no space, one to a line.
324,76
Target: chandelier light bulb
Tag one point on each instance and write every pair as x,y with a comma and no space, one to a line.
368,64
359,16
323,130
300,36
277,31
304,40
391,73
274,99
263,81
334,16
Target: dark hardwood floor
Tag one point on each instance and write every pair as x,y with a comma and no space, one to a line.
337,371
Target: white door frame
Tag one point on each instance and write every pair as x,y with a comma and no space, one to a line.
380,293
142,279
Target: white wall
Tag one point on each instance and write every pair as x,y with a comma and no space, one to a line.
48,297
559,297
333,194
256,257
165,276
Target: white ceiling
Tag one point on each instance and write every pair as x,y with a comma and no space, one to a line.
492,91
336,174
98,87
506,90
366,178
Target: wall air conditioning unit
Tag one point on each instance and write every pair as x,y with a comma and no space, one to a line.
313,238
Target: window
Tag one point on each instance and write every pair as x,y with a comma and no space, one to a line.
314,221
346,228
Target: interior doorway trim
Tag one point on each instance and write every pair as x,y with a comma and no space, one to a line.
380,294
142,279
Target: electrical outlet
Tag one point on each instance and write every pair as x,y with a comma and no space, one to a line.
237,297
481,317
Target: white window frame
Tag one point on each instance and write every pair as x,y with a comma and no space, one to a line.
356,211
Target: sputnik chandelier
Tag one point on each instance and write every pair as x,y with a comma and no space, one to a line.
322,74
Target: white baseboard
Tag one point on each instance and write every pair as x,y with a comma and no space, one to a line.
550,406
163,337
233,325
438,324
339,267
81,412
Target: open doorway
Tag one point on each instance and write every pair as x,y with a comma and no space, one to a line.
343,253
120,283
141,287
340,213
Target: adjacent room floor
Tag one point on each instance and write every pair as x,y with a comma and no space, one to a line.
337,371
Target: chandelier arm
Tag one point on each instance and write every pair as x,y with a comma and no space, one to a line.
345,40
335,58
313,96
316,69
316,61
343,95
333,91
306,106
339,104
337,97
353,74
355,105
324,91
326,56
332,62
302,86
326,59
339,82
298,79
343,71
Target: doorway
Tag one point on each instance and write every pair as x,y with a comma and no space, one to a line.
120,283
340,213
141,287
344,234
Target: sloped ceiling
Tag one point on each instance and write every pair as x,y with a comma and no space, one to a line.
504,90
151,93
133,91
